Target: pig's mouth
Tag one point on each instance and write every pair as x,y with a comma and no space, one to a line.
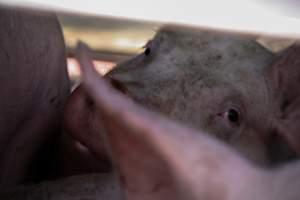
116,84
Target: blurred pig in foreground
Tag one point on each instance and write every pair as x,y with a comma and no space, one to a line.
34,86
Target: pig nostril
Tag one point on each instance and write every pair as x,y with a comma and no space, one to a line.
119,86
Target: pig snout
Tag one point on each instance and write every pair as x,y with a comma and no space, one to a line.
83,140
83,136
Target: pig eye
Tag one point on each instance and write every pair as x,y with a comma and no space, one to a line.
232,115
147,51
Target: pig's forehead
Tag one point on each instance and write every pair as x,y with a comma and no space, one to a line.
200,35
229,58
230,50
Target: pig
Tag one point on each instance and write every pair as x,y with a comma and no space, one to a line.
158,158
214,81
34,87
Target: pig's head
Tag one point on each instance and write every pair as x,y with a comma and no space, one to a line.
157,158
217,82
212,81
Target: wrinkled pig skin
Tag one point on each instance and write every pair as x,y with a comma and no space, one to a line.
214,81
34,86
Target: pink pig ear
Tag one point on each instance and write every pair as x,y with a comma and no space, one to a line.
155,157
285,81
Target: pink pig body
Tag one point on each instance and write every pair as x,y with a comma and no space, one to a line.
34,86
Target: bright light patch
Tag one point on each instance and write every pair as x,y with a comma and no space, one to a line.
101,66
126,43
238,15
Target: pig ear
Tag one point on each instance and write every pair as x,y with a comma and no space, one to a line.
285,81
155,157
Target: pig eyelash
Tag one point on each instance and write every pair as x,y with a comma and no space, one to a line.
147,49
148,44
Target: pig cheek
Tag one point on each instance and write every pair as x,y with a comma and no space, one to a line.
252,147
